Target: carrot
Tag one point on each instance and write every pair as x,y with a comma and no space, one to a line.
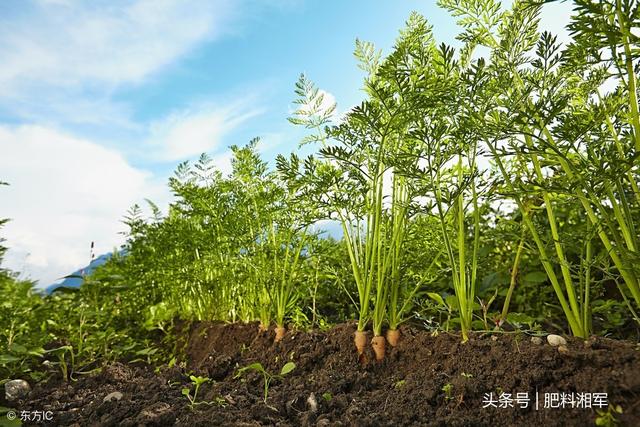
393,336
378,344
279,333
360,339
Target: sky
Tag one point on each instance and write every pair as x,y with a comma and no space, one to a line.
100,100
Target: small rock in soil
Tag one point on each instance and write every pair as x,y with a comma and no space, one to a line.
312,402
536,340
116,395
556,340
564,350
16,389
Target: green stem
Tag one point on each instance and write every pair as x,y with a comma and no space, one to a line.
574,324
514,277
631,76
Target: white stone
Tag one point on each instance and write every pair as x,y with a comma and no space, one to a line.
556,340
16,389
312,402
116,395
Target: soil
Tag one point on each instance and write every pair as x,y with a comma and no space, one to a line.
426,380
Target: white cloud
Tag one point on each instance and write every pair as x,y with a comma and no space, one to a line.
62,60
189,133
109,42
64,192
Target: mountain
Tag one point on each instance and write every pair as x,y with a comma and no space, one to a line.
75,279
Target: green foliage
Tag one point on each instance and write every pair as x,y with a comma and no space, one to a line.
197,382
608,418
448,391
20,317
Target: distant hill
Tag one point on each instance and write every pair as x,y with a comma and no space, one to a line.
75,279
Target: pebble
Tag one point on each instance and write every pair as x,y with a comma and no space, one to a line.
556,340
16,389
312,402
116,395
536,340
564,350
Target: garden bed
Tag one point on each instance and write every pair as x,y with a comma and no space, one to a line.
426,380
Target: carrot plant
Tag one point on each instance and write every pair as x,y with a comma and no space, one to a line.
386,84
285,268
553,120
441,103
599,152
509,53
349,184
354,181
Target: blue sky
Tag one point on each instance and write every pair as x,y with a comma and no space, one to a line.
99,100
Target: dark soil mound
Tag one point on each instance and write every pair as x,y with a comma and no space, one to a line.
426,380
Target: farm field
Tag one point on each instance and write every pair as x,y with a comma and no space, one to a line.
460,248
426,380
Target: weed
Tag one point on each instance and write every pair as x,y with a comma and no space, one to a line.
266,376
448,391
608,418
197,382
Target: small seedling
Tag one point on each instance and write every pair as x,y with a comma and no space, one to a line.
467,376
267,376
197,382
66,369
399,384
608,418
327,396
448,390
